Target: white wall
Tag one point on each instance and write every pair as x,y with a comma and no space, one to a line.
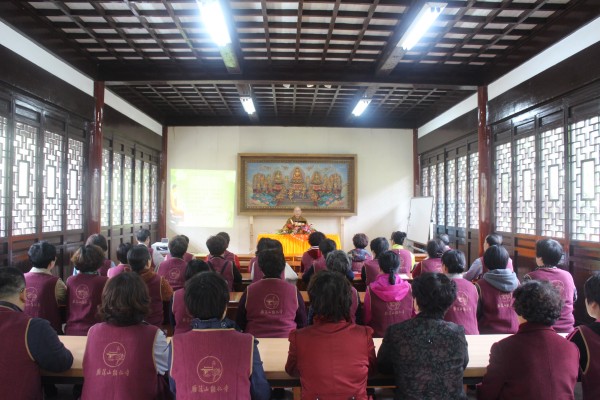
384,174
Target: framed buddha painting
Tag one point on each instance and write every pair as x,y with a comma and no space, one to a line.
323,184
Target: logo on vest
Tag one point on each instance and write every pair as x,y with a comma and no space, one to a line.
209,369
82,292
114,354
560,286
462,298
174,274
393,305
505,300
31,295
271,301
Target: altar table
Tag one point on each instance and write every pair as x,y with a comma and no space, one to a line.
295,245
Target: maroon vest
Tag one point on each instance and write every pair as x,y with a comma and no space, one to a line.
20,377
563,282
117,270
498,313
103,270
157,314
589,377
40,299
431,265
173,270
308,258
258,273
212,364
151,251
357,266
371,271
319,265
187,257
183,319
354,305
84,292
405,260
119,363
464,309
223,267
271,306
386,313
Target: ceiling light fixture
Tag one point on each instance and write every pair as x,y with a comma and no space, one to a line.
248,104
361,106
421,24
214,21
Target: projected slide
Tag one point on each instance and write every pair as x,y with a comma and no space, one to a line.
202,198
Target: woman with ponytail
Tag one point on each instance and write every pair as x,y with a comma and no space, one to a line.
388,299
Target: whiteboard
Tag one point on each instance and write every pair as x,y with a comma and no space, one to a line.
419,219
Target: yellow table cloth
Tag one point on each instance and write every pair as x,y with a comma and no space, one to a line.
295,245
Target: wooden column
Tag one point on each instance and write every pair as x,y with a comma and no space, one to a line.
416,165
485,167
162,185
94,185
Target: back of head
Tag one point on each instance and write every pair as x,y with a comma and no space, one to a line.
454,260
495,257
434,293
12,282
550,251
216,245
591,289
327,246
178,246
88,258
398,237
444,238
206,296
262,244
122,252
315,238
435,248
330,296
138,257
379,245
99,240
41,254
338,261
125,300
187,239
538,302
225,236
142,235
272,263
389,264
195,267
273,244
494,239
360,240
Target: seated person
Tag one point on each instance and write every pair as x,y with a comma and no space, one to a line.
407,258
180,317
217,245
548,253
173,269
433,262
495,313
187,257
313,253
140,374
46,293
359,255
271,307
256,273
519,365
426,354
338,261
214,339
99,240
158,287
371,269
122,257
295,220
446,241
143,237
587,339
478,268
227,255
326,247
332,343
28,344
388,299
464,309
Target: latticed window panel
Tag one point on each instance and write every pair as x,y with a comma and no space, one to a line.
117,186
24,205
552,183
441,184
461,193
154,193
52,176
433,190
503,162
585,179
137,193
451,192
146,192
425,181
105,188
127,190
3,174
74,199
525,178
474,191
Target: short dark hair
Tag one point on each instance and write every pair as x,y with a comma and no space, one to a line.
271,262
125,300
41,254
494,239
122,252
12,282
454,260
138,257
398,237
187,239
88,258
434,293
178,246
206,295
538,301
195,267
360,240
315,238
338,261
327,246
330,296
444,238
142,235
261,245
435,248
99,240
495,257
379,245
389,262
225,236
591,289
549,250
216,245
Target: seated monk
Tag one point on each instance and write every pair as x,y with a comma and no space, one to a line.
296,220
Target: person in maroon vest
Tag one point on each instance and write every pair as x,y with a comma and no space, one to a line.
99,240
536,363
122,257
256,273
313,253
587,339
495,313
332,343
326,247
388,299
143,237
173,269
180,317
338,261
407,258
187,257
548,254
125,358
46,293
464,309
84,290
433,262
426,354
158,287
27,345
213,360
478,267
271,307
227,255
370,269
359,255
217,245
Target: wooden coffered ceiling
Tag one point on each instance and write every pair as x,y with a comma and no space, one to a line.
304,62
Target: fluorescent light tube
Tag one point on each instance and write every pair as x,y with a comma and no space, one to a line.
214,21
421,24
361,106
248,105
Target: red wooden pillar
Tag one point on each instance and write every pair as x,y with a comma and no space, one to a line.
95,162
162,185
416,165
485,167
